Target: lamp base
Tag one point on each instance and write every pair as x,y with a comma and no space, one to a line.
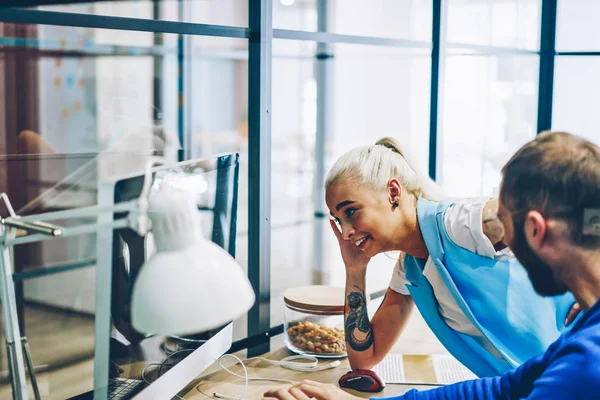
174,343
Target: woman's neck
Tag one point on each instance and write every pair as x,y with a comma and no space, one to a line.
413,242
416,247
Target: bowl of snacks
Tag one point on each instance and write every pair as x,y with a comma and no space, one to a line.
314,321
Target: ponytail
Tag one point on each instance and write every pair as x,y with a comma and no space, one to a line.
430,189
374,165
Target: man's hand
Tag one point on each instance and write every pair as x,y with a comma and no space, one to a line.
307,390
115,370
573,313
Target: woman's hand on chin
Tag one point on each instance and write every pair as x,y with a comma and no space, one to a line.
355,260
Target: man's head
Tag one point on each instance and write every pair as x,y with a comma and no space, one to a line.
546,189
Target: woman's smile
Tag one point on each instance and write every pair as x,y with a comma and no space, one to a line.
362,242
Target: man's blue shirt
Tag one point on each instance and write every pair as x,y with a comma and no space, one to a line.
569,369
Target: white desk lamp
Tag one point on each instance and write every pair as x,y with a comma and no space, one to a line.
191,284
188,272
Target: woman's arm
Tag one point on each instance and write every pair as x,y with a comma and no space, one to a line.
368,342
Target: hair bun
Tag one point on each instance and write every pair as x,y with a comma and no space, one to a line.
387,145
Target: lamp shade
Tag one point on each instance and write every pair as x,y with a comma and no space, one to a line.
190,285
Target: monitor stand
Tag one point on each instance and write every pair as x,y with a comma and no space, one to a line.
189,342
174,380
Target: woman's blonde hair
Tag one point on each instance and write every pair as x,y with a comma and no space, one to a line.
373,166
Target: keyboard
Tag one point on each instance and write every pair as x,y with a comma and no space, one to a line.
122,388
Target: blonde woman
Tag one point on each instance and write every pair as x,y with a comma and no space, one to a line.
454,266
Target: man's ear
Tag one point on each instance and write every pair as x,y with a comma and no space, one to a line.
394,190
536,228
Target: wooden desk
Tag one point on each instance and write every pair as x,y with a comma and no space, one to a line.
224,383
416,339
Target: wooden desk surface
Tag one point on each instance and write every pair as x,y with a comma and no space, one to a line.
416,339
224,383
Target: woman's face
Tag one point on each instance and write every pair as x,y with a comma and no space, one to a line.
363,215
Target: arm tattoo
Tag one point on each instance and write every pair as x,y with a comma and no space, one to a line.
358,318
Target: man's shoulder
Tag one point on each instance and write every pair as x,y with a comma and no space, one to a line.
580,347
569,366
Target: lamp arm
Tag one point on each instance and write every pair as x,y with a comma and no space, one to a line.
136,219
35,223
91,211
152,161
9,206
35,226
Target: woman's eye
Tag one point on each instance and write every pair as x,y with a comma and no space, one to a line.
350,212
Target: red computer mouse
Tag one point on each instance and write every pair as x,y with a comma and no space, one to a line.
363,380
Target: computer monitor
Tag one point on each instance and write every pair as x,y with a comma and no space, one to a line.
167,363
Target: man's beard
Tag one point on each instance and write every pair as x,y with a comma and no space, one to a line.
540,273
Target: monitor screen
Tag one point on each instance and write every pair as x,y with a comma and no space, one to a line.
160,366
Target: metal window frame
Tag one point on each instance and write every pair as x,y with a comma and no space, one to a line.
436,39
326,37
26,16
259,168
547,58
548,54
324,82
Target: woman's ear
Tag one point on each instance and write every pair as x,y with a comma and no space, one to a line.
394,190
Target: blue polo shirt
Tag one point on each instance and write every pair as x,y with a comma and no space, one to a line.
569,369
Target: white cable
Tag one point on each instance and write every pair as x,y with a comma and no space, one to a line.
144,372
148,382
245,377
161,365
287,362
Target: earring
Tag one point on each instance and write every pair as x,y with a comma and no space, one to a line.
395,204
